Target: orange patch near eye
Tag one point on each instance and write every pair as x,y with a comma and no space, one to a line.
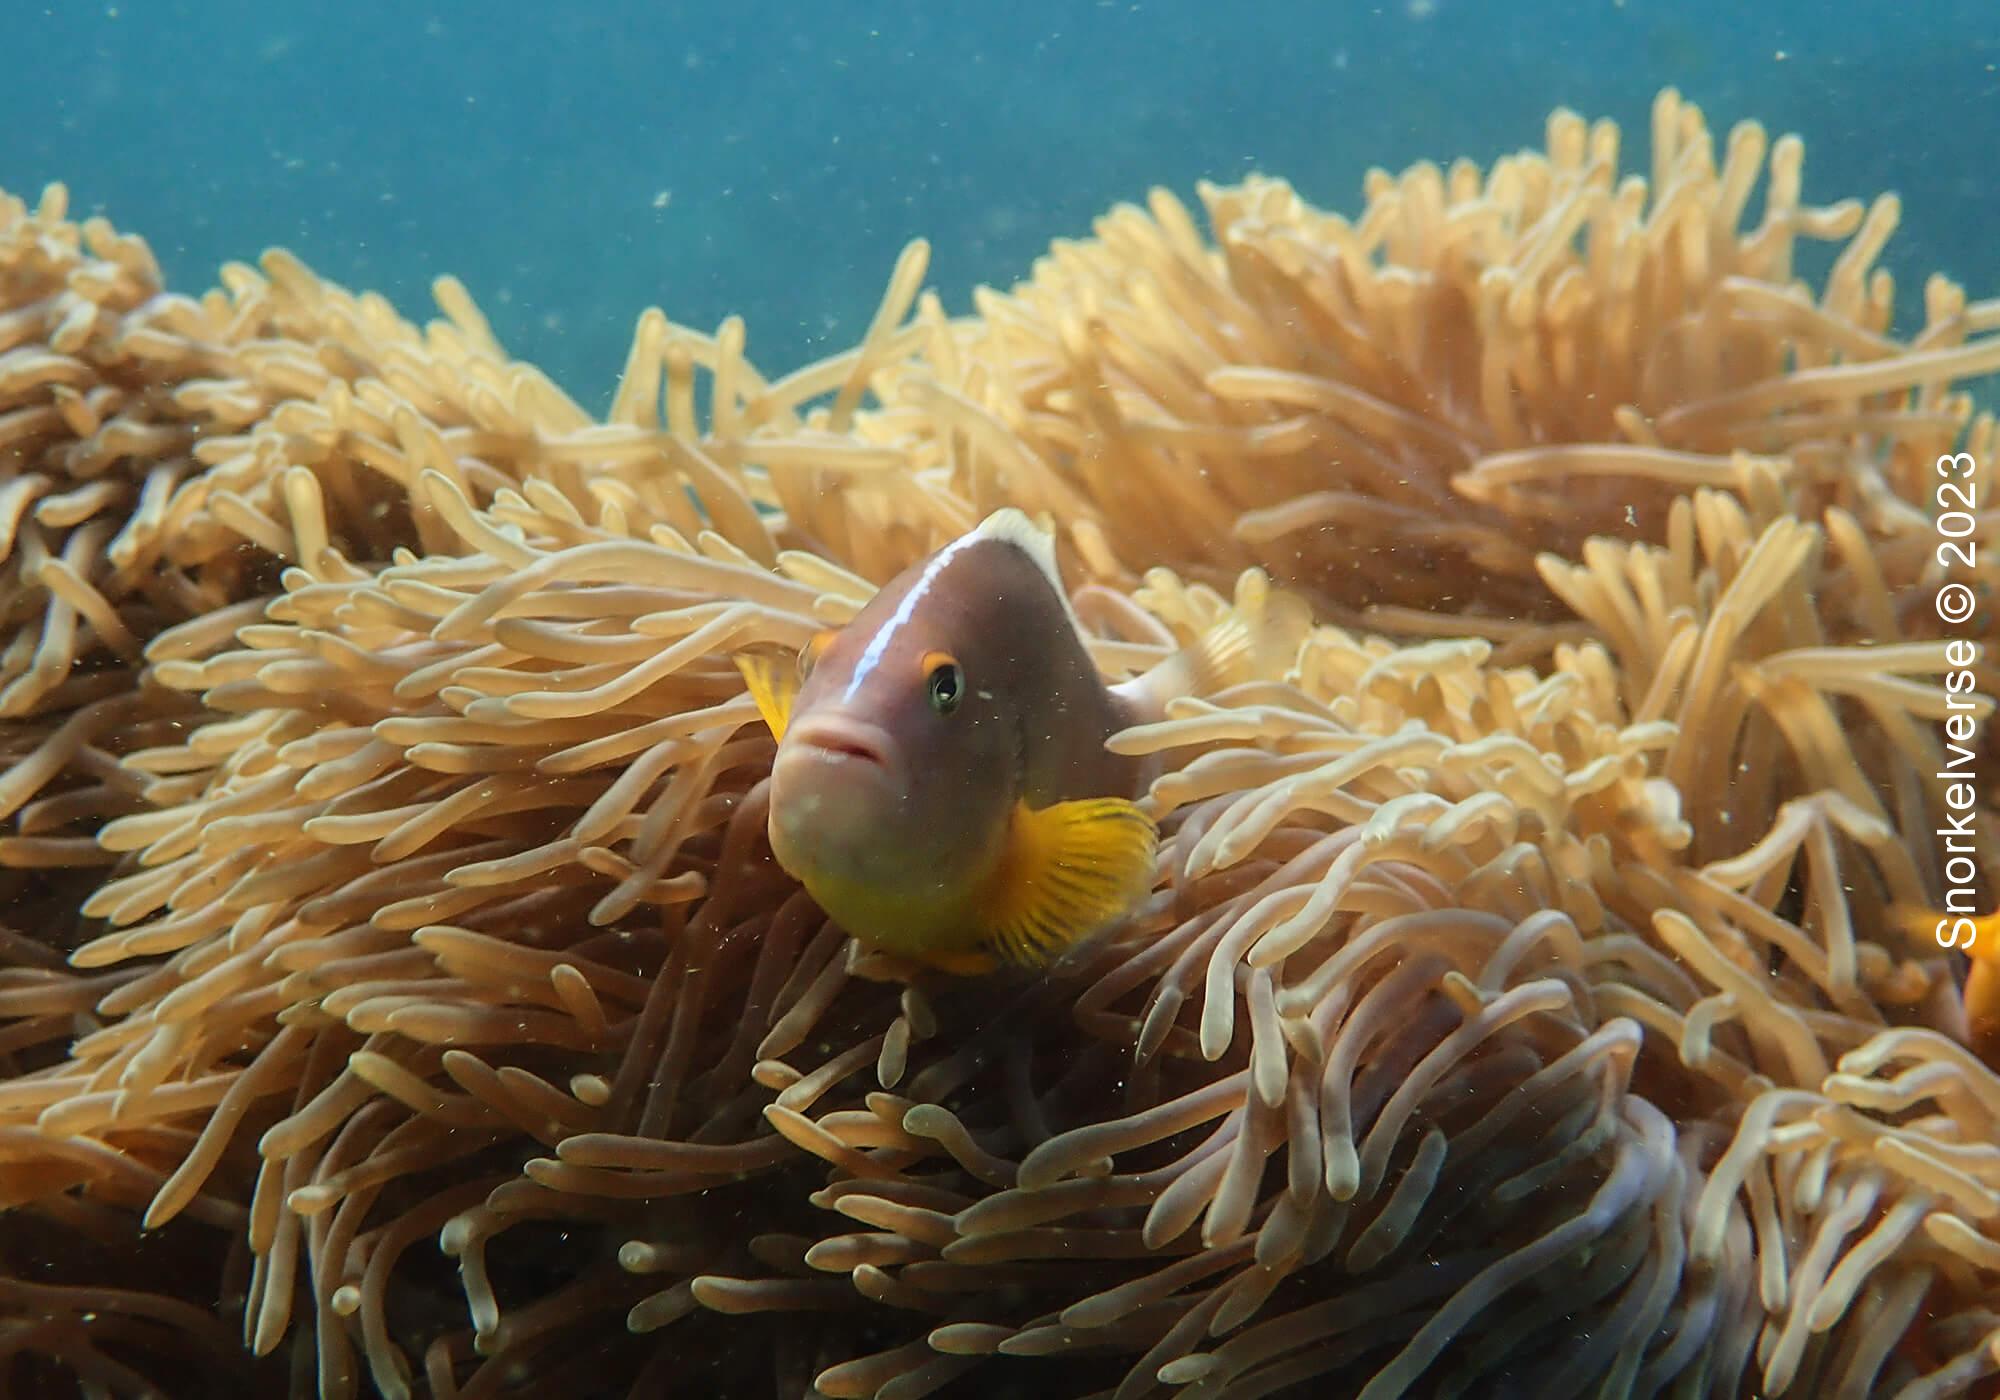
944,678
813,650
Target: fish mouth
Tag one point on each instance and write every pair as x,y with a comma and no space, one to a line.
833,740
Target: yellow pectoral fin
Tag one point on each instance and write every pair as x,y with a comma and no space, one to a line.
1070,870
773,685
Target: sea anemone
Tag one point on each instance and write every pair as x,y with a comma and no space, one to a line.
1519,1008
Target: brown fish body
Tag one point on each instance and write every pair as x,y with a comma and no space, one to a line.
1004,620
942,782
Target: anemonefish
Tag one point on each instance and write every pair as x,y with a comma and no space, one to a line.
942,787
1978,937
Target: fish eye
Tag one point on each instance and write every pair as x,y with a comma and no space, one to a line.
945,682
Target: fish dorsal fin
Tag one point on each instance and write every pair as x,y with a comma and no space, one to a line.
1069,871
1011,525
774,685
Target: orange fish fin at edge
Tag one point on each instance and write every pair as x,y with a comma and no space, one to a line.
1921,926
773,685
959,964
1982,1011
1069,871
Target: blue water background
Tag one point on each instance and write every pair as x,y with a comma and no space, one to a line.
574,163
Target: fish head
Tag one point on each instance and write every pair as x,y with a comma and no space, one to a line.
900,763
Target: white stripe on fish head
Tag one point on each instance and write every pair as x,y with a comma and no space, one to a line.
878,645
